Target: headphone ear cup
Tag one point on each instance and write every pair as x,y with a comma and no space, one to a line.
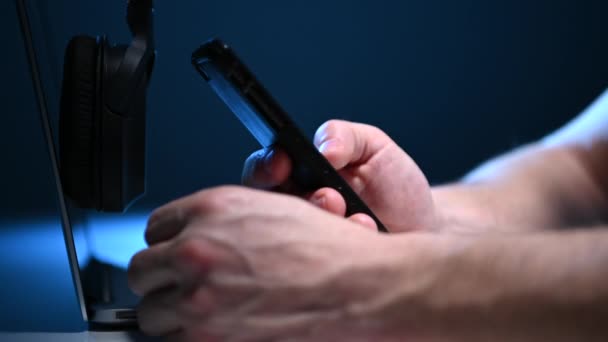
78,128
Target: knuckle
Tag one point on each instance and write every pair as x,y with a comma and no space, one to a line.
198,302
193,258
184,250
375,132
379,133
219,199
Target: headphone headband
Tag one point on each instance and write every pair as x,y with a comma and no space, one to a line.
139,19
138,58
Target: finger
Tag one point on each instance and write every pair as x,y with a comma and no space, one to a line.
329,199
181,263
150,269
197,303
165,223
266,168
156,313
363,220
344,143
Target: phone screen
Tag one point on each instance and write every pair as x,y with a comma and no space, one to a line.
256,123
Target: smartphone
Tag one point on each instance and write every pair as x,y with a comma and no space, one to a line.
240,90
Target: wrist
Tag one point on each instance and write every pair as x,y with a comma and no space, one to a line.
403,282
507,287
461,209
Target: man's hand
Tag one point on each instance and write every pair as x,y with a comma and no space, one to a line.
236,263
232,263
377,169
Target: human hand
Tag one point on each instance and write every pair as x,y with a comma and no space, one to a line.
233,263
377,169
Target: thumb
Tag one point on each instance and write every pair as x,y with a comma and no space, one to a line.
266,169
344,142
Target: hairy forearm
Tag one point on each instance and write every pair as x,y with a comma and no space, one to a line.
533,188
557,182
511,287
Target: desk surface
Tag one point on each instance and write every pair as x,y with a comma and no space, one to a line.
88,336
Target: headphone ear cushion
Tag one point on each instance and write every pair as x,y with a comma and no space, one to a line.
78,114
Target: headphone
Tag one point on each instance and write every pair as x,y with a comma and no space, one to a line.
102,115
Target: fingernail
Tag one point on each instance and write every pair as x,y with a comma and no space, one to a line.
319,200
267,160
326,145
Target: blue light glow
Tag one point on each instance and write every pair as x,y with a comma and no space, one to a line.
239,106
115,239
37,292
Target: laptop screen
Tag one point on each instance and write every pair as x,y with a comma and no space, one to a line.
68,228
91,239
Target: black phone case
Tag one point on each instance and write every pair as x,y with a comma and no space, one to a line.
236,85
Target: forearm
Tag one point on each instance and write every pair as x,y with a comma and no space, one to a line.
532,188
542,286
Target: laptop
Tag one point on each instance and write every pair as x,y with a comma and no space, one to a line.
101,287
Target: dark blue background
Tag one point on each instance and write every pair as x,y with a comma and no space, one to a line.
452,82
